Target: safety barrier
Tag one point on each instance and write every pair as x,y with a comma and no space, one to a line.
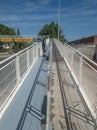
84,72
13,70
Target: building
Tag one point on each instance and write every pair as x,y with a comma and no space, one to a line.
92,40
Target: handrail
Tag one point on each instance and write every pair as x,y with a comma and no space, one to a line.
1,62
13,70
84,73
80,54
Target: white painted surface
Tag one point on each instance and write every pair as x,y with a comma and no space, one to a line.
12,116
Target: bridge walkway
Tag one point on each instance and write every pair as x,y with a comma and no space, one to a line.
27,105
69,108
27,109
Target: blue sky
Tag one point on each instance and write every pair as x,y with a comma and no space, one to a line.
78,18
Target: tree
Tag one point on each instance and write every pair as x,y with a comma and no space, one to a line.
18,31
52,30
5,30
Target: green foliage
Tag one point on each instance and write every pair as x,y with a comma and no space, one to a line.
19,46
52,30
4,30
18,31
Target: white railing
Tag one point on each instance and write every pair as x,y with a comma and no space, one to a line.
14,69
84,72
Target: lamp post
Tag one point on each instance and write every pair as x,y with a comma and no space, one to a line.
59,20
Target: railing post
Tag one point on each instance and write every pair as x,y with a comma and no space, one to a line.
40,48
36,50
67,52
27,58
80,69
17,69
72,55
33,53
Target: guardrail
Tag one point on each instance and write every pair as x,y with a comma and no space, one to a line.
84,72
12,72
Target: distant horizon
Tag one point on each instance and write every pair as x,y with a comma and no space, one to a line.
77,19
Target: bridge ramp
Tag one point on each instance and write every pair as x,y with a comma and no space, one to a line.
28,102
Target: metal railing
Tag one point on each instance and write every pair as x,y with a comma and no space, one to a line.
84,72
14,69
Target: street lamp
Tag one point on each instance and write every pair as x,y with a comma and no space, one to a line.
59,20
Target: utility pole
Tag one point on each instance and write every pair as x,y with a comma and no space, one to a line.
59,20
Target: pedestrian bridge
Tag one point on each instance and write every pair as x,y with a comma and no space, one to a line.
25,80
14,39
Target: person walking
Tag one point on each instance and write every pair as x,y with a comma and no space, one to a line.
43,46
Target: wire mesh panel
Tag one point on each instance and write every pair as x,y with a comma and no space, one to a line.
23,63
69,56
84,73
8,80
30,56
75,65
89,83
12,71
34,52
40,49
